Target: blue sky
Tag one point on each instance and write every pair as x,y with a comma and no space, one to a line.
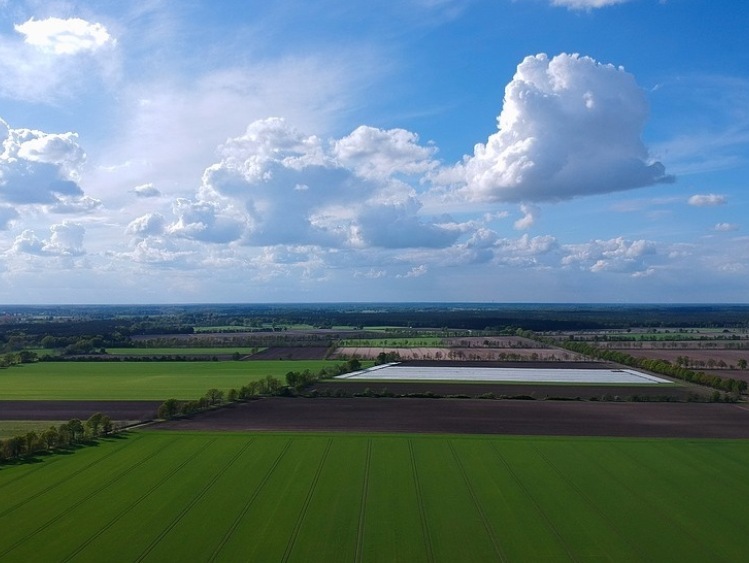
421,150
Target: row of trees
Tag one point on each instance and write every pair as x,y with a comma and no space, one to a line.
662,367
268,386
54,438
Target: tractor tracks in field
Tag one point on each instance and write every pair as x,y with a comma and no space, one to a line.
420,501
61,481
186,509
250,501
477,504
550,525
79,502
133,504
307,501
363,509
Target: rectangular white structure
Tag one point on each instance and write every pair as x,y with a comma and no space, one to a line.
397,372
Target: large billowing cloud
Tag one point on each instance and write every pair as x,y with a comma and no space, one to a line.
569,127
40,168
275,185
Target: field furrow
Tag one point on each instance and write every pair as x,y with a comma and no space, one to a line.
420,502
307,501
223,468
549,524
363,509
149,490
477,504
56,479
248,503
375,498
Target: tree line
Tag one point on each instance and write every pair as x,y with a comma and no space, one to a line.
55,438
269,386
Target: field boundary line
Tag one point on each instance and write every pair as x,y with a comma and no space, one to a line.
477,505
538,507
61,481
132,505
250,500
363,509
586,498
76,504
303,512
196,498
420,502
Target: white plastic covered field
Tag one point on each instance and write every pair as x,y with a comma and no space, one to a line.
397,372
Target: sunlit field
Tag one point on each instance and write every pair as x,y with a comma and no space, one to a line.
171,496
138,380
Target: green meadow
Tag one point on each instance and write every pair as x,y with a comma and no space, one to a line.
138,380
169,496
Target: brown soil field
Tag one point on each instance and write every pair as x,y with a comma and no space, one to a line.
466,416
474,354
678,345
492,342
291,353
65,410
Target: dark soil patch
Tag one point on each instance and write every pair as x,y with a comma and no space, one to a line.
465,416
65,410
537,391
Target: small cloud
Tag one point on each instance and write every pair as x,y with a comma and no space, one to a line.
706,200
586,4
146,190
529,217
64,36
726,227
147,225
415,272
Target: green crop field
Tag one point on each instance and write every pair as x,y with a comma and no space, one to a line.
163,496
138,380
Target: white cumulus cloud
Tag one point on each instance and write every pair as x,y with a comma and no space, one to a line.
613,255
39,167
586,4
66,239
706,200
530,213
569,126
64,36
146,190
726,227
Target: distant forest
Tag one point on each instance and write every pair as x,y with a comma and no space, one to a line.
121,321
